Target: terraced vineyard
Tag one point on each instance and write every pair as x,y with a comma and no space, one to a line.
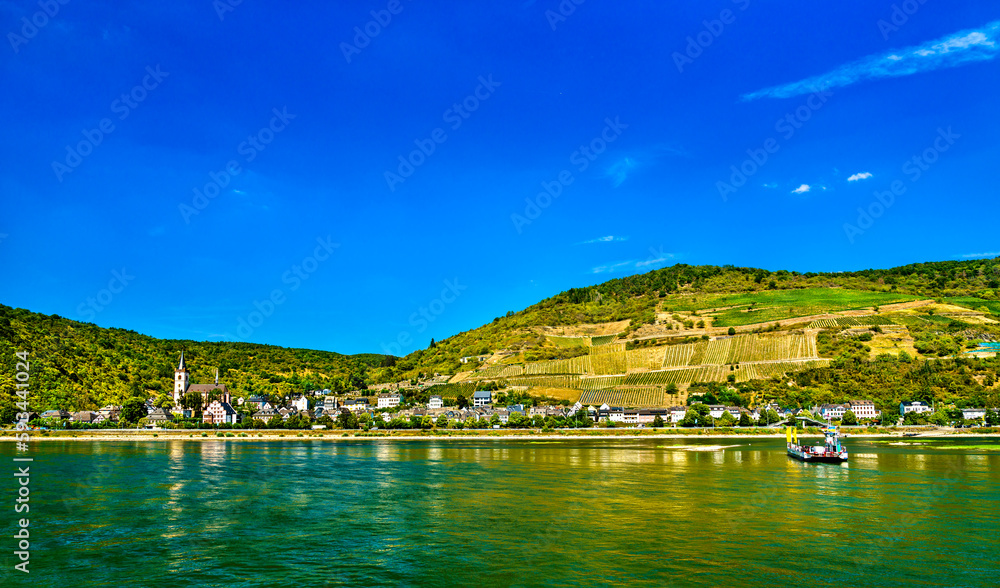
608,348
764,371
602,340
634,398
608,359
706,373
749,348
678,355
576,365
487,373
600,382
718,351
647,371
567,381
511,370
850,321
650,358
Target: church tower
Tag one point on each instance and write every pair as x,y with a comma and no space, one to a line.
180,381
225,396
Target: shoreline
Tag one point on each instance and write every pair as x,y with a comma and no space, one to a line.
522,435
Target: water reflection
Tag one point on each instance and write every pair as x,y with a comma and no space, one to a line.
383,512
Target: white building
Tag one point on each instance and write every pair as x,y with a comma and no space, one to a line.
482,398
864,409
388,400
219,412
677,413
971,414
716,410
831,412
915,406
436,402
301,403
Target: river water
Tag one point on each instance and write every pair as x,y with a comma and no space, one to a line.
481,512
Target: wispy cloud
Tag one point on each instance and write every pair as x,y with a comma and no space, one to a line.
801,189
959,48
772,185
608,239
633,264
619,171
859,176
989,255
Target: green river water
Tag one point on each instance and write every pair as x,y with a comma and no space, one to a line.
481,512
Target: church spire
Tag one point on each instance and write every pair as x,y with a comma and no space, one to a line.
181,366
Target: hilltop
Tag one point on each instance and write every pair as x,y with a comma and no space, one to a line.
651,339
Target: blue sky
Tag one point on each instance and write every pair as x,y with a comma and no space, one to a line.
177,169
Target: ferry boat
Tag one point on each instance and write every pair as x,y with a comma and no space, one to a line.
830,452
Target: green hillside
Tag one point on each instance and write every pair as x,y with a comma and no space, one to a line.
752,295
645,339
77,366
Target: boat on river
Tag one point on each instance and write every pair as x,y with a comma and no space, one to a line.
830,452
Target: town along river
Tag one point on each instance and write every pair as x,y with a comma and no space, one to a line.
481,512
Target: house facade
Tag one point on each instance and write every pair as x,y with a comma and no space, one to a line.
482,398
218,412
971,414
831,412
864,409
389,400
915,406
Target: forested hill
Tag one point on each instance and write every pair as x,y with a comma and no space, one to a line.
637,298
78,366
980,278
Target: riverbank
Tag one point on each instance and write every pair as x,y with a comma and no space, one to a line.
516,434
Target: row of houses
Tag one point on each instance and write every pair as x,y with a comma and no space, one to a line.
918,407
863,409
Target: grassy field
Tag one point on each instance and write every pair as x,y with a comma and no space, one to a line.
976,303
780,304
568,341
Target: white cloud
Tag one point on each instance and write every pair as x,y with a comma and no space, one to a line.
608,239
801,189
959,48
619,171
989,255
859,176
632,264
